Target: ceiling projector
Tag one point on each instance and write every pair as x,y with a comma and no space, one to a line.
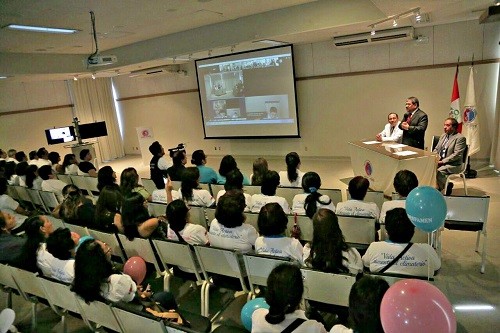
100,60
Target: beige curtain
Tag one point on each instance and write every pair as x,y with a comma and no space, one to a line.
93,101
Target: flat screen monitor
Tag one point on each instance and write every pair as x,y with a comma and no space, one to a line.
60,135
93,130
249,94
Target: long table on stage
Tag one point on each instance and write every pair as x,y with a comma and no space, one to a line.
379,163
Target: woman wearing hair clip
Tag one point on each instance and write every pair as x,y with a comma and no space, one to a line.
179,160
311,200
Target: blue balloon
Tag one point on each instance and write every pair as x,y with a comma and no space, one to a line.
426,208
249,308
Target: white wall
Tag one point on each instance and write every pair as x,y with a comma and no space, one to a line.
332,110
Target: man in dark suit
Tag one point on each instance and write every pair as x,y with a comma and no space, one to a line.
414,124
450,148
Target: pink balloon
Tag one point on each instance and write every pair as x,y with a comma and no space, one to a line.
135,267
416,306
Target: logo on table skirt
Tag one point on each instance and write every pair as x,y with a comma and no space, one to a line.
470,114
368,168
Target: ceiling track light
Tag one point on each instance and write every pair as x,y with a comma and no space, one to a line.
373,30
75,78
418,17
232,48
93,76
209,53
174,59
394,23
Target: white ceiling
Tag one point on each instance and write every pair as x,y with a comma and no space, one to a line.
146,33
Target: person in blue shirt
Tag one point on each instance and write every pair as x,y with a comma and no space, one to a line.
207,174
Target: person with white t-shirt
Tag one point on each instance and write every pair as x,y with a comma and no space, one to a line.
268,193
311,200
358,186
50,183
234,181
228,229
272,222
284,294
418,259
180,228
55,257
404,182
190,191
292,177
364,306
70,164
328,252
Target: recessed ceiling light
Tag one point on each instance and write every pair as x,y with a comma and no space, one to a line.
3,77
31,28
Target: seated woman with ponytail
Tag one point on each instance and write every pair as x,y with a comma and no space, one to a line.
284,292
311,200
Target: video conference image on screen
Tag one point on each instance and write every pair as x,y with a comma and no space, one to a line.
249,94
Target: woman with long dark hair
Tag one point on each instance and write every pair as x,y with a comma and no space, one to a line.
105,176
70,164
328,251
292,177
227,164
284,293
311,200
260,168
76,208
107,210
129,183
136,219
190,191
37,229
95,277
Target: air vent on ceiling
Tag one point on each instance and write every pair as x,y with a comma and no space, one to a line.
160,70
381,36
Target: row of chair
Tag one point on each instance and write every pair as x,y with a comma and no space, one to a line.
34,199
286,192
117,317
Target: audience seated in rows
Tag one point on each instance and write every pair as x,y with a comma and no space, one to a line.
21,169
228,229
364,306
228,163
419,259
21,157
85,167
292,177
284,294
260,168
358,186
129,184
272,224
404,182
207,174
32,179
107,210
328,251
42,158
311,200
234,181
268,193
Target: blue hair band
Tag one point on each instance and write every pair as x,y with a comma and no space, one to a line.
81,240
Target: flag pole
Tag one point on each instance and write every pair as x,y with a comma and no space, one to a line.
470,173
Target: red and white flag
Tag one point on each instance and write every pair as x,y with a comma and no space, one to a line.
471,120
455,103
